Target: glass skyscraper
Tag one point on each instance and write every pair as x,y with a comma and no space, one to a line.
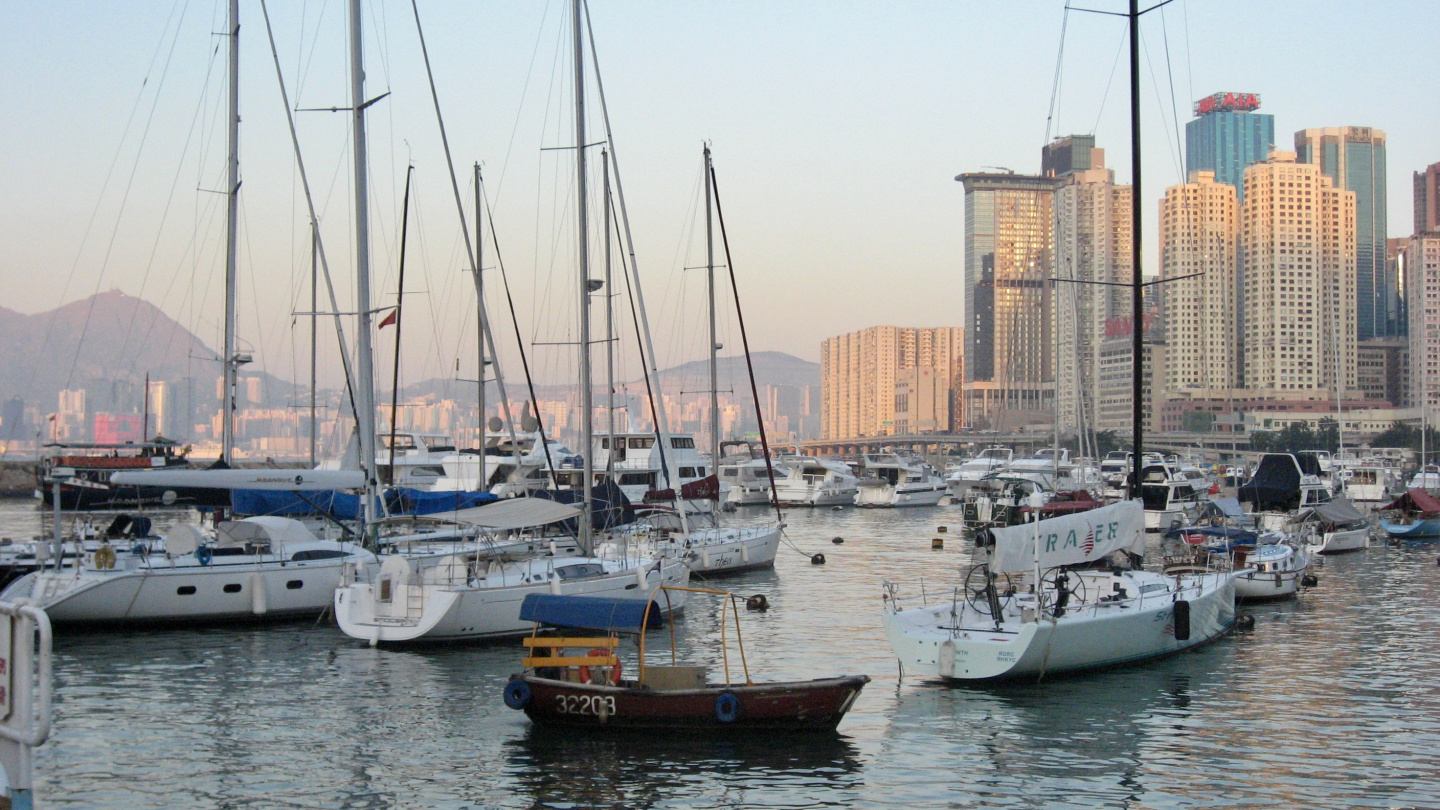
1354,159
1226,136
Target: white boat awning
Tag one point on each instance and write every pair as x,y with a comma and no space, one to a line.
515,513
268,479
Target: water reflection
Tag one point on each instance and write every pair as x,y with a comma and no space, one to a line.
553,768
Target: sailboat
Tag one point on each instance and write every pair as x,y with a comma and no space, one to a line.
477,595
1067,613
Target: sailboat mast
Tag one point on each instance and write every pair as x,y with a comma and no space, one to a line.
232,218
587,433
1137,289
314,332
480,319
609,323
714,346
365,365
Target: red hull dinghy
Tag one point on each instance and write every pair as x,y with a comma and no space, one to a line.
576,681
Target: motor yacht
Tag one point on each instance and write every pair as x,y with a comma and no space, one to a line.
807,481
894,480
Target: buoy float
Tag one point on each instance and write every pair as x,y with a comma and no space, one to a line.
757,602
942,529
837,540
938,543
1310,580
817,559
837,508
1245,621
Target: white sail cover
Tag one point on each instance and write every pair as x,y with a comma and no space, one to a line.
269,479
514,513
1071,539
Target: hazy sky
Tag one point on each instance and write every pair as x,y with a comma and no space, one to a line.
837,129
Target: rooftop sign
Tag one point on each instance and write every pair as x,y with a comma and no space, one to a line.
1228,102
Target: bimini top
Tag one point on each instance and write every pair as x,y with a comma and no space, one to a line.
590,612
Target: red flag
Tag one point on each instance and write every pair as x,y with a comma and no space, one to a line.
393,317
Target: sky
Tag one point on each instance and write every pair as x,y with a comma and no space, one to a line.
837,130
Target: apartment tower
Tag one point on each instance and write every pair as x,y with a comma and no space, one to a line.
1198,226
1297,242
859,372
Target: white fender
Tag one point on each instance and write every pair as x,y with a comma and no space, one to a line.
555,584
258,604
745,552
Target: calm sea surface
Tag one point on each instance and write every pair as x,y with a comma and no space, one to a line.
1333,700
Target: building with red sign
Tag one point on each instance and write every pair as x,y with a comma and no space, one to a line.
1226,136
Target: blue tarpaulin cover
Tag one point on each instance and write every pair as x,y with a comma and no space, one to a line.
589,612
346,506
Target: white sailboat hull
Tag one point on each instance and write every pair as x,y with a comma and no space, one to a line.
201,594
729,550
435,613
1340,542
885,495
1091,637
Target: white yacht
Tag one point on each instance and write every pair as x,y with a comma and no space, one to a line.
1271,571
1170,498
1427,478
257,567
1067,619
967,474
501,475
809,481
473,595
1370,483
744,481
894,480
636,461
1332,528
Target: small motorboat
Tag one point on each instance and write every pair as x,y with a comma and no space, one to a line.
561,687
1333,528
1413,517
1271,571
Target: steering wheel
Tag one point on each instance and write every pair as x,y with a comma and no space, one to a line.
978,594
1064,584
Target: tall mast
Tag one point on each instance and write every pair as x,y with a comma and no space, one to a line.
1137,289
365,366
480,321
232,218
587,433
314,324
714,346
609,324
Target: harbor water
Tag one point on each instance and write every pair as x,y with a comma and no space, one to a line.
1332,700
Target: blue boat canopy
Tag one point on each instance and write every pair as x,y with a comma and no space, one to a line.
590,612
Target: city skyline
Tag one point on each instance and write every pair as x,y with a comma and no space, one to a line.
847,208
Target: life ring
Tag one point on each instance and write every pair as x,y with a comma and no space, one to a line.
204,555
517,694
727,707
105,557
601,652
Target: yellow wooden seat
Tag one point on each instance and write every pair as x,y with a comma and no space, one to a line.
555,643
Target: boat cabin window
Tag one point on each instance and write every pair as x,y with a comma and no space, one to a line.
1316,496
643,442
1154,496
580,571
386,589
733,472
317,554
1184,493
402,442
682,442
637,479
688,472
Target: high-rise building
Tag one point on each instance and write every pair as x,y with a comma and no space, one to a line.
1422,267
1009,312
859,372
1354,159
1198,228
1092,244
1226,136
1297,242
1427,199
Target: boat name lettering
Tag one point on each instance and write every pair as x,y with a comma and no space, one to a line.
1163,615
584,704
1005,655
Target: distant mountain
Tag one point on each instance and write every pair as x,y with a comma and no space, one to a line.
771,368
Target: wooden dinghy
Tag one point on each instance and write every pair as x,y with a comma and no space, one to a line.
576,681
